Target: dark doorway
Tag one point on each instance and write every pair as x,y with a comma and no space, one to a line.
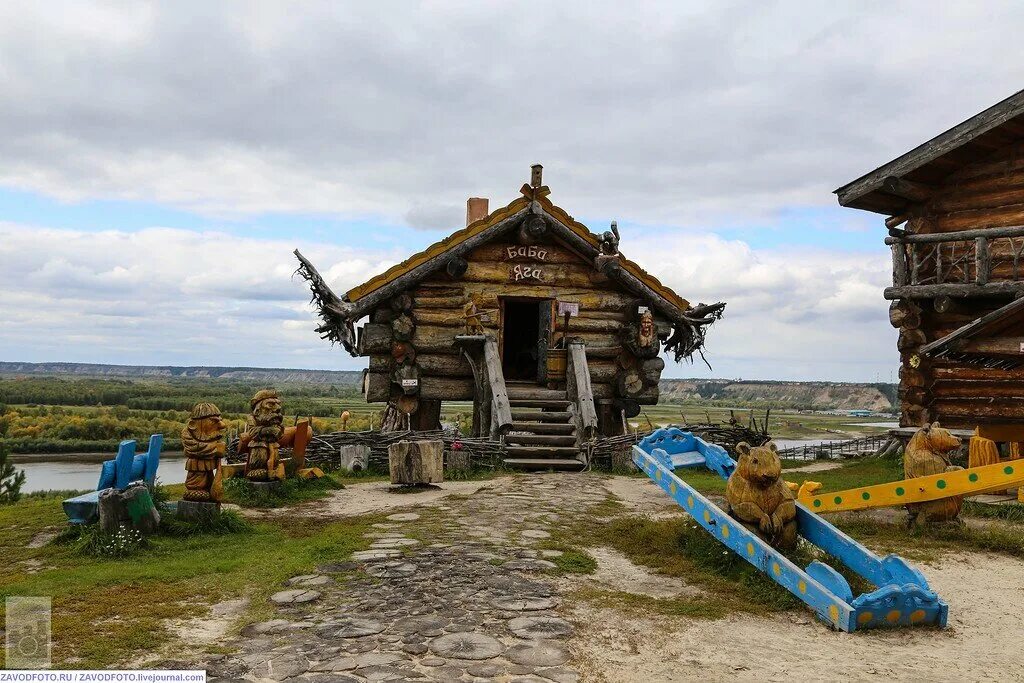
520,338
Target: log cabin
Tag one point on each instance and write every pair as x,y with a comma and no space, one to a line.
554,335
954,210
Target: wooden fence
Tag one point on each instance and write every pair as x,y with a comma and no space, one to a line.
836,449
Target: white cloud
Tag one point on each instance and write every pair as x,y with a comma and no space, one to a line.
162,296
678,113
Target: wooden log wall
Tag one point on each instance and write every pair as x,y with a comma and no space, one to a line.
425,319
987,195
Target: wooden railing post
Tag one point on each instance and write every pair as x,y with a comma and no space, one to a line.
900,272
580,391
981,260
501,409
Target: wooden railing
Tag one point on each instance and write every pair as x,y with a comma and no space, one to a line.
501,408
966,263
492,411
579,391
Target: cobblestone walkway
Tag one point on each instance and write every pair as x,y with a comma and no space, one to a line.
457,591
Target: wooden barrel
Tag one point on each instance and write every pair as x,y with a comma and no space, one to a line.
556,365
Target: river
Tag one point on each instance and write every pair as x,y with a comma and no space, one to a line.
69,474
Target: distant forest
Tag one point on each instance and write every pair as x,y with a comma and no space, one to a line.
72,408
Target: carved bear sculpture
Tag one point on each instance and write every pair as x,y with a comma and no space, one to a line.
759,498
928,453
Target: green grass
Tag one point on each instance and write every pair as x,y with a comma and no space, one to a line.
635,604
1011,512
106,611
289,492
929,543
573,561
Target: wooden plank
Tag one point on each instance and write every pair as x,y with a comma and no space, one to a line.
580,390
501,409
908,189
747,545
900,272
975,328
958,235
854,193
1008,346
964,482
511,252
954,290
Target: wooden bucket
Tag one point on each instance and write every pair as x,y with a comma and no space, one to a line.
556,365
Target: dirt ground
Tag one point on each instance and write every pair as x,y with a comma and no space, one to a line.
490,531
982,643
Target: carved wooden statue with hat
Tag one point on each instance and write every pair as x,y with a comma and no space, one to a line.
265,435
202,439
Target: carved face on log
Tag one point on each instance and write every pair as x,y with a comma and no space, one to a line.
759,465
205,423
266,408
647,329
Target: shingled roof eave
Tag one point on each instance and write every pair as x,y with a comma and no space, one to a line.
429,260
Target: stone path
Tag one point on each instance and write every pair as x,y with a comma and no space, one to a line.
470,599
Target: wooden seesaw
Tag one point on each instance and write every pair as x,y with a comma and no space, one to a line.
902,596
968,482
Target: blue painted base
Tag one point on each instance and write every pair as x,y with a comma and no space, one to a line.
84,509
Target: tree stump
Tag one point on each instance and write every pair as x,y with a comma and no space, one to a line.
354,458
458,462
133,506
622,460
197,511
416,462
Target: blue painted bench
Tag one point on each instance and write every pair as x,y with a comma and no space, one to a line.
118,473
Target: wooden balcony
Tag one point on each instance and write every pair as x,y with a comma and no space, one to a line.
967,263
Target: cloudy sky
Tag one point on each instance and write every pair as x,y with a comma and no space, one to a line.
159,161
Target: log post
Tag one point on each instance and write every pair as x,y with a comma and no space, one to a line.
416,462
900,274
981,260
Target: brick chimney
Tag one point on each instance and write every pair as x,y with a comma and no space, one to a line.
476,208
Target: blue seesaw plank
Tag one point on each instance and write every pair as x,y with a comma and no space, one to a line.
902,598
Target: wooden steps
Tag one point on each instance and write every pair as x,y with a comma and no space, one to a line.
544,427
541,440
546,404
539,415
544,463
543,434
532,392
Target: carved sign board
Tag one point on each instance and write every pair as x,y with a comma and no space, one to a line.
565,307
535,253
522,272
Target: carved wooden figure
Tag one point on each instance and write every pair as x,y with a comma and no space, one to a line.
759,498
263,431
928,453
265,436
472,316
202,439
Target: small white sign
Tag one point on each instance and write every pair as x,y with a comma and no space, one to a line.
642,309
574,308
1022,347
410,382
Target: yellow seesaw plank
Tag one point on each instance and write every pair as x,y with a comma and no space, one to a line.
972,481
